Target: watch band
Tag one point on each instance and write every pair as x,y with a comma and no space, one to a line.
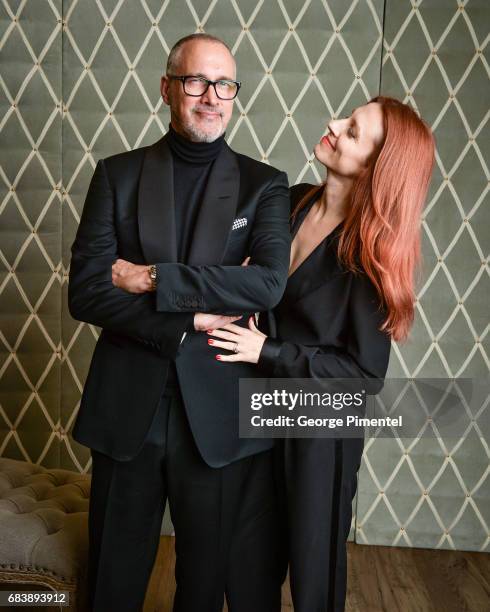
152,271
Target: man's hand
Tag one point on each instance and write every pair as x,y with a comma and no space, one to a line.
131,277
203,321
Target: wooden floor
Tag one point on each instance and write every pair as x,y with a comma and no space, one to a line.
381,579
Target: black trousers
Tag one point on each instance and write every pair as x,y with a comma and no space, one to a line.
318,481
225,519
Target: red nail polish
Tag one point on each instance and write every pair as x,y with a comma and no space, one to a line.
218,357
210,341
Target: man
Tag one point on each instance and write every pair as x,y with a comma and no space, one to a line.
156,261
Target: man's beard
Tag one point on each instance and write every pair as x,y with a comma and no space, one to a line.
196,134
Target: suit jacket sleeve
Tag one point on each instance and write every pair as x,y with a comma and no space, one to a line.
236,289
367,349
93,298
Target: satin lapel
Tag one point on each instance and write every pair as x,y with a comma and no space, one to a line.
217,211
156,215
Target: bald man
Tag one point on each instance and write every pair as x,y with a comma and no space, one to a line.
156,263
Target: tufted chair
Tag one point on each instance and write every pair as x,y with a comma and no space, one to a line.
43,528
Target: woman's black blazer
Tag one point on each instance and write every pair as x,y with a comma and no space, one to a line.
327,322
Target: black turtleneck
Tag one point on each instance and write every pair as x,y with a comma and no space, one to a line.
192,163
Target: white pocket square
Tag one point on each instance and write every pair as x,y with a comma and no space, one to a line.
237,223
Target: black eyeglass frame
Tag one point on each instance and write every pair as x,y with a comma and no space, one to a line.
183,78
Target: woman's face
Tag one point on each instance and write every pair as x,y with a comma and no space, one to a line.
350,142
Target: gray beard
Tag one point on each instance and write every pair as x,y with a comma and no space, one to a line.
194,134
197,135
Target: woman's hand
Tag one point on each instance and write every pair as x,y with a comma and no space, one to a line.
244,344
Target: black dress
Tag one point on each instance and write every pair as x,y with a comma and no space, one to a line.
327,326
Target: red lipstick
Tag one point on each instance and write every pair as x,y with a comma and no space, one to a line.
326,139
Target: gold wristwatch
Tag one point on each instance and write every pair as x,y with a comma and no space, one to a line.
152,271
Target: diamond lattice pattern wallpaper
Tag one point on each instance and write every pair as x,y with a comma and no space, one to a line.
80,81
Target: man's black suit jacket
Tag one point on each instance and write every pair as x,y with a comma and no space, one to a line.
129,214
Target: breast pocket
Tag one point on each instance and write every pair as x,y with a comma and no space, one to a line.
238,234
236,247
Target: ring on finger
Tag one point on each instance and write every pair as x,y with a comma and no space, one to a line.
235,348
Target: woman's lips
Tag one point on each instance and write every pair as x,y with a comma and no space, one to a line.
326,140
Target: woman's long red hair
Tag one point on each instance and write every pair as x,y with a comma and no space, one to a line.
381,232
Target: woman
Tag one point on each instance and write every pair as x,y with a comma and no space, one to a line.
355,247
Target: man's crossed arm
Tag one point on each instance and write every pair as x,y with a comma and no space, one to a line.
161,318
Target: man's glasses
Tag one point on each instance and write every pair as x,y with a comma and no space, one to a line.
197,86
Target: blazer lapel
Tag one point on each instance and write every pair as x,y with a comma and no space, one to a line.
217,211
317,269
156,215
